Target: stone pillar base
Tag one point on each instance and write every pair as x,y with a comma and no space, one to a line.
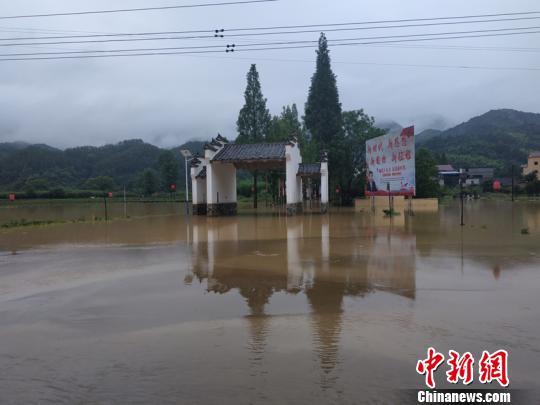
221,210
199,209
324,208
295,209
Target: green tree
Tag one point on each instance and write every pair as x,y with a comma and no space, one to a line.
168,168
149,182
323,110
358,127
37,183
254,118
284,126
426,173
323,118
532,186
103,183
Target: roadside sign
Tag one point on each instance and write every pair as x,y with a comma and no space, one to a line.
391,164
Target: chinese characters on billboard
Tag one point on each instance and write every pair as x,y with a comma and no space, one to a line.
391,164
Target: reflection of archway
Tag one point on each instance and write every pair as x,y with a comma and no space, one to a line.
301,255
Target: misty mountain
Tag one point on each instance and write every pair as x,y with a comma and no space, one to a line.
388,125
7,148
426,135
21,164
498,138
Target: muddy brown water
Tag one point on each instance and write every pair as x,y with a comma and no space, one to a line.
264,308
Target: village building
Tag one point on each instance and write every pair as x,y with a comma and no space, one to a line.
213,176
533,164
474,176
447,175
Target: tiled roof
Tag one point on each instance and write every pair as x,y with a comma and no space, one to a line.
195,162
202,174
256,151
309,169
445,168
534,154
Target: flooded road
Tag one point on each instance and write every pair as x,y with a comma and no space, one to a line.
264,309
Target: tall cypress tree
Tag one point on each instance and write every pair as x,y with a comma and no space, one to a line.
323,110
254,118
323,118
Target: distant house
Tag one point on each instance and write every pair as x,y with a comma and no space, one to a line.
478,175
533,164
448,176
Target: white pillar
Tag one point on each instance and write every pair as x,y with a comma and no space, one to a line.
293,183
294,264
324,185
194,194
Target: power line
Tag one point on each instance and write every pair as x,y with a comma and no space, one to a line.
191,53
387,44
394,41
232,47
377,63
249,34
375,27
388,21
15,29
205,51
330,40
126,10
94,41
208,31
225,32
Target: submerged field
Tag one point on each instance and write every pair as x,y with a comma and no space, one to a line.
160,308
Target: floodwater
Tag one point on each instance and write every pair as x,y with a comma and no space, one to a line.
264,308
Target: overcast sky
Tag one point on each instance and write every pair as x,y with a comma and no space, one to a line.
167,100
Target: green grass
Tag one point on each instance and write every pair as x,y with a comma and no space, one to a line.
18,223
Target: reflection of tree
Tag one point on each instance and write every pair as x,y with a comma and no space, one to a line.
496,271
326,300
257,296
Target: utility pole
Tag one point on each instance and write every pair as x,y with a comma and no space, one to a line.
389,198
461,196
125,203
187,156
105,203
512,183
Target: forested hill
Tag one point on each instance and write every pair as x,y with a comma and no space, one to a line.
498,138
23,165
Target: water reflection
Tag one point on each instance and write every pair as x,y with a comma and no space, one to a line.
306,257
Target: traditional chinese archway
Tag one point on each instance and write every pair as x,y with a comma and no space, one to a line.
214,175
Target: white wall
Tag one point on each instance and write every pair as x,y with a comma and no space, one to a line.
221,183
293,183
198,186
